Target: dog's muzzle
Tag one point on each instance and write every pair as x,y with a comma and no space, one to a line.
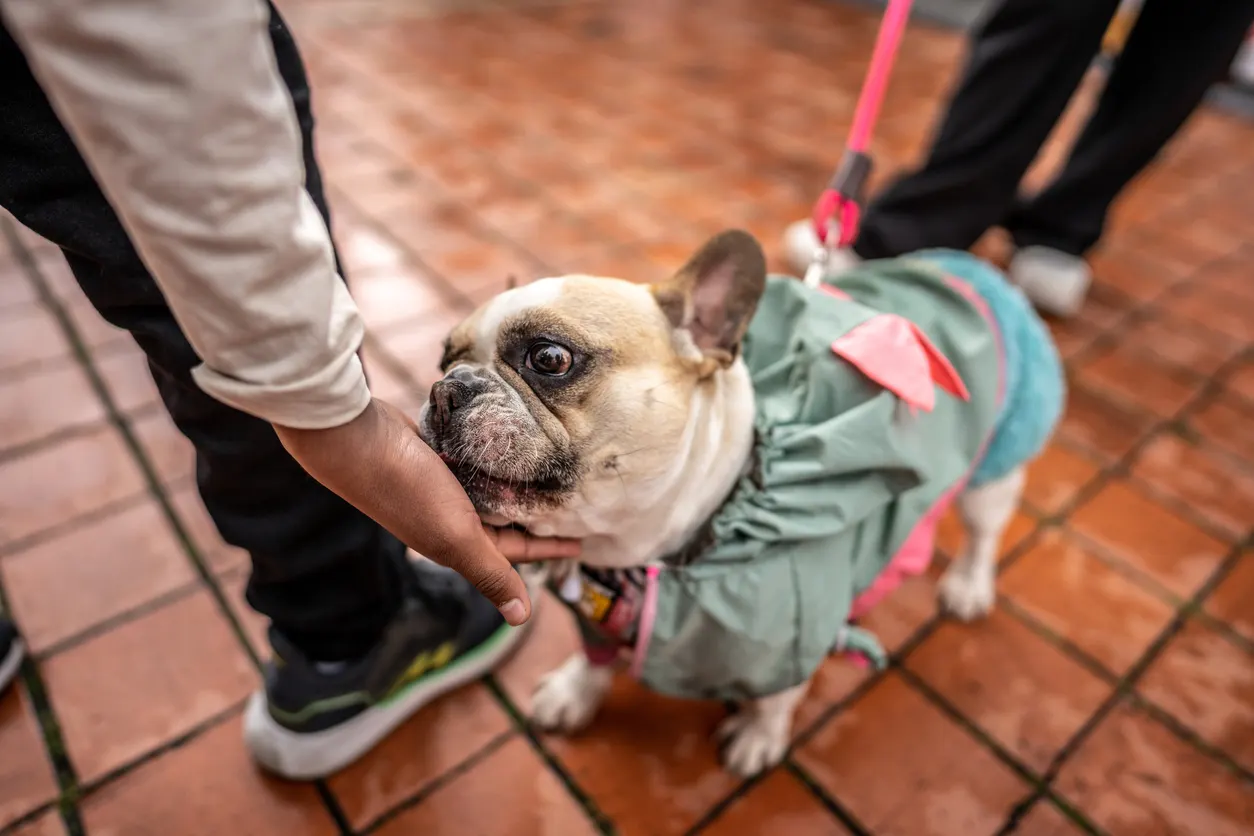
455,391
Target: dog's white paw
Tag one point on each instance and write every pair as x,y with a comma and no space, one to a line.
567,699
753,742
967,595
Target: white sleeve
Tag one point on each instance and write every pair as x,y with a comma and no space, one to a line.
180,111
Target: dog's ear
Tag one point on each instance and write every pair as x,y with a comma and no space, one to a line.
715,294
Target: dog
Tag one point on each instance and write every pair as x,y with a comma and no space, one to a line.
749,462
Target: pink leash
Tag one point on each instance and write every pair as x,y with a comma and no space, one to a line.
842,199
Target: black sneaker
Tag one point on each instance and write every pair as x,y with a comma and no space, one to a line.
11,652
311,720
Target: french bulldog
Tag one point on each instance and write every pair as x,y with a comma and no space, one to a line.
623,415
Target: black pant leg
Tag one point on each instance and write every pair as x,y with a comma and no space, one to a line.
1026,59
325,574
1176,51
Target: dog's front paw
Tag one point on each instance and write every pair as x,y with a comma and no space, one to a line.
752,742
967,595
567,699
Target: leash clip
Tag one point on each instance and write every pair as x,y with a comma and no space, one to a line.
818,264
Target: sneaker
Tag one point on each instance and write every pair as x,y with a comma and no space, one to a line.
312,719
11,652
1055,282
801,244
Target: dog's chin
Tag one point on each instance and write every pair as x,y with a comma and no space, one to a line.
501,501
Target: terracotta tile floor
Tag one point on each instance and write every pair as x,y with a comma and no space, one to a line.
1112,692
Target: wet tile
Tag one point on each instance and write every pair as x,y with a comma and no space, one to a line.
1128,376
126,376
1148,536
1028,695
363,248
780,803
1044,819
1072,336
387,295
103,569
553,637
120,695
1173,789
1207,482
49,824
56,274
482,270
208,785
1106,308
90,327
649,762
959,787
386,381
1241,381
1230,602
16,290
1226,422
417,345
1076,595
172,456
527,800
1206,681
198,525
56,484
436,739
25,771
44,402
1056,477
1181,343
1131,273
1214,309
1097,425
254,624
29,334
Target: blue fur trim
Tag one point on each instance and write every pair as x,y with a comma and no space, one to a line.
1035,384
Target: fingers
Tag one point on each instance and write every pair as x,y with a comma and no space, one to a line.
473,555
518,547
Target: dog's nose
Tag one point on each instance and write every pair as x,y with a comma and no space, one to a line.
457,389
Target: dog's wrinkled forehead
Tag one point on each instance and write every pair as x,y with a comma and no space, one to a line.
598,316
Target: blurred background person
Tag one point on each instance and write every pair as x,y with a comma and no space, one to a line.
1026,59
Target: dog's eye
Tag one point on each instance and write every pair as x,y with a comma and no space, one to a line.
549,359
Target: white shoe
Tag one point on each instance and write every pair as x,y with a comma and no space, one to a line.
1243,64
801,245
1055,282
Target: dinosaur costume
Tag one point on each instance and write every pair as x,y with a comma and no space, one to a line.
878,397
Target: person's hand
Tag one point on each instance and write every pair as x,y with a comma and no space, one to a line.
378,463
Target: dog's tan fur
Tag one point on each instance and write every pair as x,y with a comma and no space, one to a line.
651,435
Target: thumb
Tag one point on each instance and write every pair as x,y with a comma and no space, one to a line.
476,558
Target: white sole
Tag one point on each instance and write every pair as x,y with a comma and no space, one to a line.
312,755
12,661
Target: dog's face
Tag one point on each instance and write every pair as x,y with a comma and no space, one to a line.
565,401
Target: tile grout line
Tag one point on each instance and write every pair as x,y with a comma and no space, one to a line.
440,781
50,727
1124,688
155,488
1108,338
1120,469
581,797
1122,692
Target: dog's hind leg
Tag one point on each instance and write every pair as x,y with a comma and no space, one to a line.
758,734
968,588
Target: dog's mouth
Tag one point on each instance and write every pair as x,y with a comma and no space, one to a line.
488,490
